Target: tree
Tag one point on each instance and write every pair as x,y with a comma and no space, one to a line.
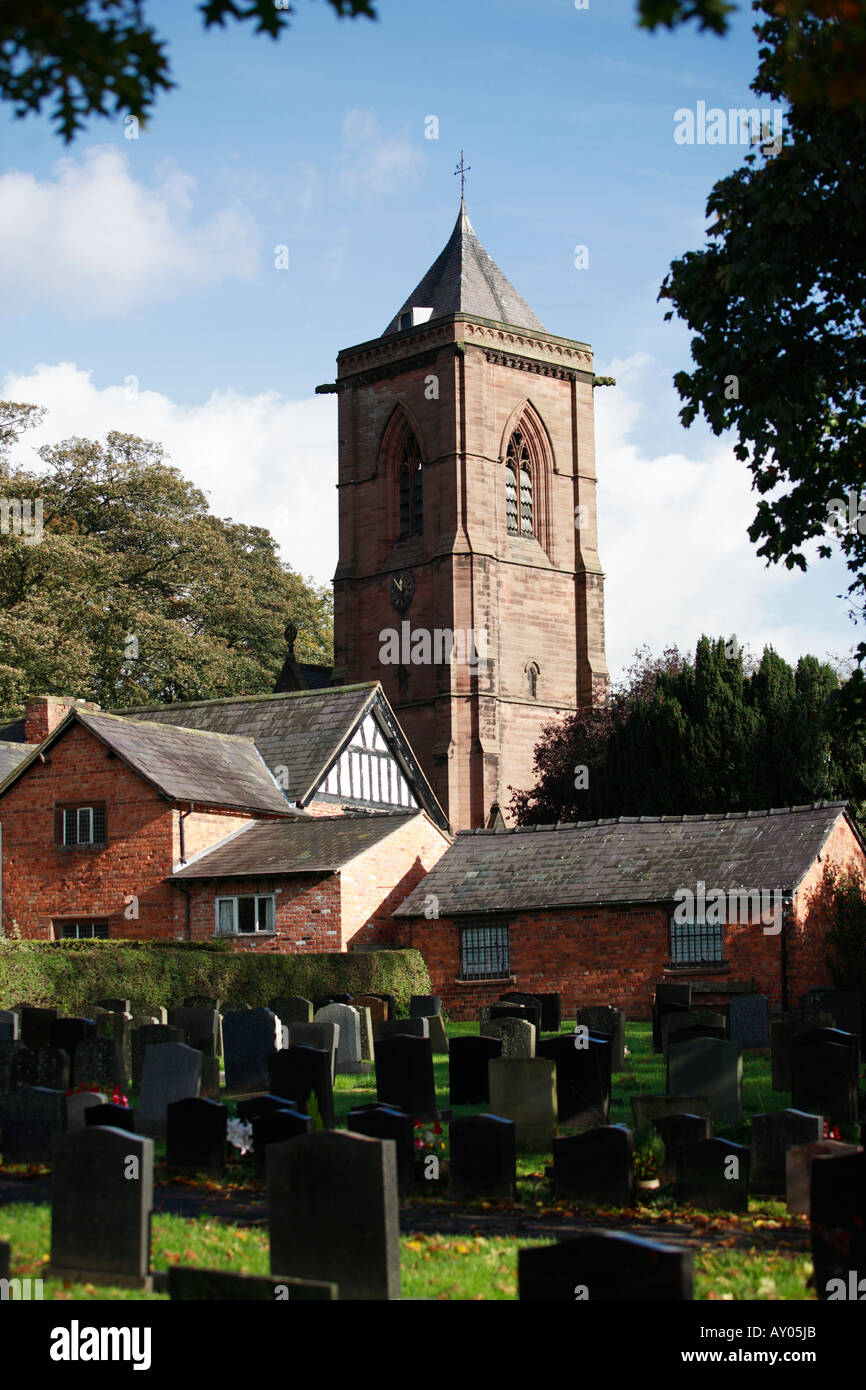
100,57
128,591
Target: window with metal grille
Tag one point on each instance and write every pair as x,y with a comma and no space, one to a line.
81,931
696,943
245,914
80,825
485,952
411,489
518,495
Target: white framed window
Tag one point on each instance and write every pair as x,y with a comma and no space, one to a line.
245,914
80,825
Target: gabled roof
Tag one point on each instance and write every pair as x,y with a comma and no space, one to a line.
299,732
11,754
182,764
627,860
317,844
464,279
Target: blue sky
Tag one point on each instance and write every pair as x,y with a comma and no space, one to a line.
144,295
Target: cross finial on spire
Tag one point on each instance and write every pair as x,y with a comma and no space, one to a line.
462,169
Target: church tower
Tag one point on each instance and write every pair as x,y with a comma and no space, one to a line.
468,528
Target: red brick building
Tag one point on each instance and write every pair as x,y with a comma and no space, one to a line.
467,503
600,911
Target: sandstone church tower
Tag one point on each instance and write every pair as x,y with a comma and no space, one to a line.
467,504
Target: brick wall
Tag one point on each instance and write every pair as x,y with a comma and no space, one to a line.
379,880
306,911
814,914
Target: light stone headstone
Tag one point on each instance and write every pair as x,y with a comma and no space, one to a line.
517,1036
346,1018
523,1089
78,1104
172,1071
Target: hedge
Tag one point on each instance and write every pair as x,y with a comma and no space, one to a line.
68,975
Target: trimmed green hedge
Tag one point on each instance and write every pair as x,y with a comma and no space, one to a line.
66,975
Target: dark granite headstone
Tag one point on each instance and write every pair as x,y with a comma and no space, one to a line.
150,1035
210,1078
713,1174
423,1005
16,1060
324,1036
387,1122
845,1006
749,1020
250,1039
676,1130
299,1072
404,1028
551,1012
583,1066
404,1075
36,1024
483,1157
292,1008
467,1068
708,1067
202,1001
606,1021
596,1167
276,1127
5,1259
333,1213
782,1033
668,996
186,1282
101,1201
838,1221
195,1136
824,1072
115,1006
47,1066
99,1062
200,1027
772,1136
605,1266
530,1012
798,1170
30,1118
649,1108
114,1116
253,1106
67,1033
8,1026
172,1071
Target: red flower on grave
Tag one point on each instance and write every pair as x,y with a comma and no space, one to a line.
418,1124
437,1128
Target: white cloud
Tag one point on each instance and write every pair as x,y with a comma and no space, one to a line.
96,241
674,546
262,459
376,163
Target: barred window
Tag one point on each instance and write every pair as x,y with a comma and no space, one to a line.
80,825
411,489
485,952
81,931
696,943
518,498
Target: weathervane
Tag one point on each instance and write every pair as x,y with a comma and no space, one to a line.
462,169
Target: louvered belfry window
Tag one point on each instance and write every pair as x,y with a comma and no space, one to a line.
518,487
411,489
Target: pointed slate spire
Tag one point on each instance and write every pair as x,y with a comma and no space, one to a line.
463,278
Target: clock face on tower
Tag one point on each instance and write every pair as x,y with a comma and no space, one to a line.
401,590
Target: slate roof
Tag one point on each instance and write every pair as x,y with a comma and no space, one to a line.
627,860
12,733
301,730
184,764
315,844
463,278
11,754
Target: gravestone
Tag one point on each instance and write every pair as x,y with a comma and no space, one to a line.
583,1066
524,1090
30,1118
202,1001
483,1157
387,1122
67,1033
772,1136
118,1027
596,1167
675,1021
709,1067
438,1036
253,1106
551,1012
35,1025
366,1024
333,1213
605,1267
77,1107
347,1021
490,1013
404,1028
210,1078
200,1027
676,1130
195,1136
299,1072
389,1001
668,996
107,1113
798,1170
276,1127
187,1282
115,1006
606,1021
250,1039
468,1081
824,1071
713,1174
404,1075
150,1035
524,1000
838,1222
677,1037
749,1020
99,1062
47,1066
378,1010
18,1066
423,1005
782,1033
5,1259
8,1026
292,1008
101,1202
516,1036
172,1071
844,1005
323,1036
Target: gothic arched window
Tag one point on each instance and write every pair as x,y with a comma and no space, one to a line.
518,487
411,489
532,680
